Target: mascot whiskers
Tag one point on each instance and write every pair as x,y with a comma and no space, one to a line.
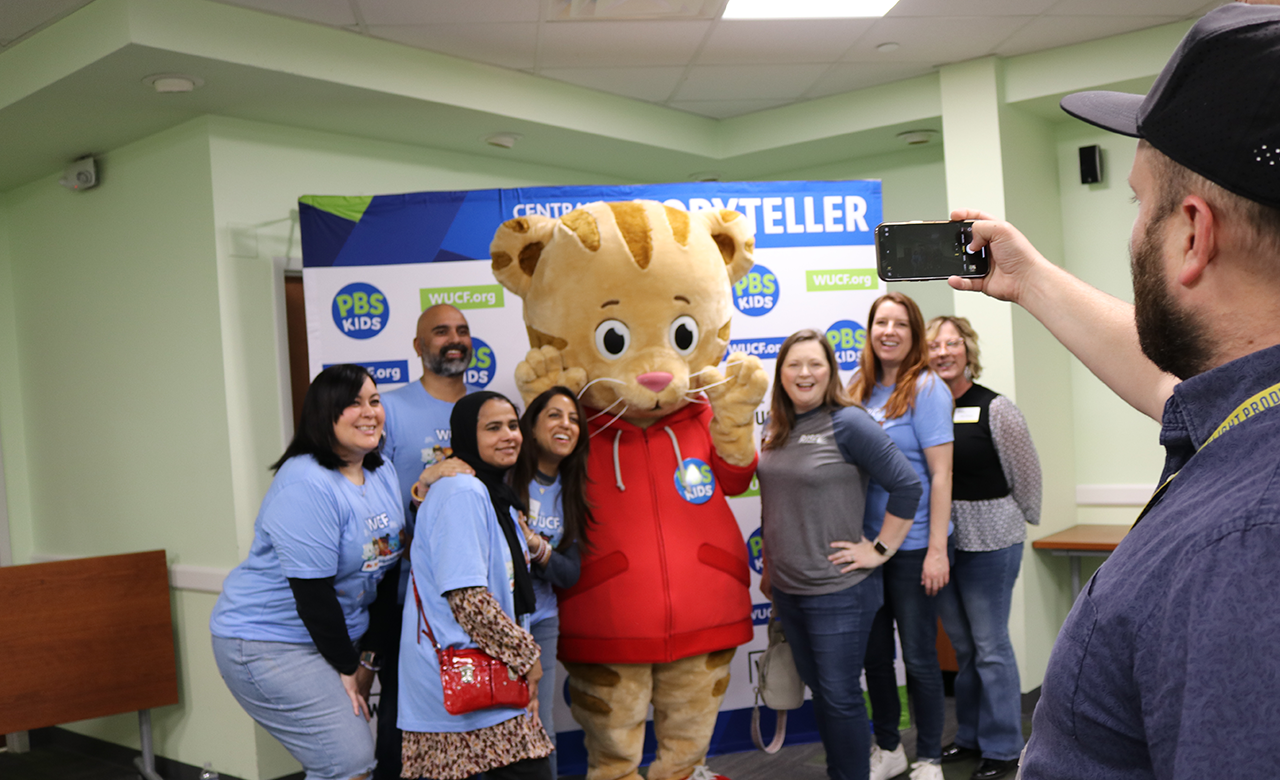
629,304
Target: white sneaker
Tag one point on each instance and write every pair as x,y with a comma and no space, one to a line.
886,764
923,770
704,772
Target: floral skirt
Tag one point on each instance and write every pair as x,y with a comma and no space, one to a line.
461,754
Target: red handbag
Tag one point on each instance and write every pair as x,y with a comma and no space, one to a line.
472,679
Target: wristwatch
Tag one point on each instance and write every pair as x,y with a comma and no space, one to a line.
880,548
370,661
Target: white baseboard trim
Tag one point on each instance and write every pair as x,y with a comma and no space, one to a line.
1113,495
202,579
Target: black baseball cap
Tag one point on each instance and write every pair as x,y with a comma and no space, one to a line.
1215,107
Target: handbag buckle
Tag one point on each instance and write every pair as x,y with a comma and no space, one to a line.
465,669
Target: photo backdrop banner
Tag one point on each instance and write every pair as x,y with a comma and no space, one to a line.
372,264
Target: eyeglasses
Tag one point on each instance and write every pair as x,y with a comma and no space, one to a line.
937,346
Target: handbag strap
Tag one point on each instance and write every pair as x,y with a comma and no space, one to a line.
779,731
424,627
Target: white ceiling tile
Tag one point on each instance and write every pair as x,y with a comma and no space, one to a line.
1176,8
970,7
504,45
583,44
335,13
1047,32
748,82
726,109
935,40
846,77
382,12
735,42
654,85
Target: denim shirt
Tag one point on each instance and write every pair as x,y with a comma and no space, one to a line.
1169,664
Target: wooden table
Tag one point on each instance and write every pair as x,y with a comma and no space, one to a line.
1079,541
85,638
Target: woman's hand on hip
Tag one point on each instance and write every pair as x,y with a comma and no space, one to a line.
851,556
351,684
936,572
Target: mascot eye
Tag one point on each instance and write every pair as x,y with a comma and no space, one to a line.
612,338
684,334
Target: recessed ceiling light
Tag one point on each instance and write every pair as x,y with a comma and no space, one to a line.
504,140
807,9
173,82
917,137
887,47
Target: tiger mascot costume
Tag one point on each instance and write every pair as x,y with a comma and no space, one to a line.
631,301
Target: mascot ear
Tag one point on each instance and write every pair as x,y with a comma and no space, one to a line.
516,249
731,233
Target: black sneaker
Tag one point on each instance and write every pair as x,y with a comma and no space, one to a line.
991,769
954,752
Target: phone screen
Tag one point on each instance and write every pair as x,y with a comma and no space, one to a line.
911,251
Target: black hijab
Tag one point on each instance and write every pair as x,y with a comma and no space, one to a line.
465,422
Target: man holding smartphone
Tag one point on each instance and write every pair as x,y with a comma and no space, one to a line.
1167,666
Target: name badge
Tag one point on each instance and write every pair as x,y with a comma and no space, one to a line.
966,414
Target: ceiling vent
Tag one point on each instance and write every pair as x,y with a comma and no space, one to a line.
632,10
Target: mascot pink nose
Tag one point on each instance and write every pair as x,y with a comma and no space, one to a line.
655,380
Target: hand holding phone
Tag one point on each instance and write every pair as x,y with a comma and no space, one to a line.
918,251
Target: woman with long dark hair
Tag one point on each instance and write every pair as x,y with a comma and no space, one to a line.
914,408
470,584
821,573
329,528
551,480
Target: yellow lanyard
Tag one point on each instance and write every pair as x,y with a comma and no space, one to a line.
1253,405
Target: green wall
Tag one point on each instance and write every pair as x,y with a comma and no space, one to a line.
1098,218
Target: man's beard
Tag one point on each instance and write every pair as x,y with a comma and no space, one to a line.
439,365
1173,338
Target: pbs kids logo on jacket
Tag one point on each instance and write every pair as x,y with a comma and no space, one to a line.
756,294
360,310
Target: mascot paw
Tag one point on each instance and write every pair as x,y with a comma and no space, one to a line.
733,402
543,369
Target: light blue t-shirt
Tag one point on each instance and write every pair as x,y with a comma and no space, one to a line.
545,518
418,436
313,523
927,424
458,544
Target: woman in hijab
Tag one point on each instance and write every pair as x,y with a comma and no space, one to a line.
471,584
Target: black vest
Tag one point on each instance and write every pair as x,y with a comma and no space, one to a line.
976,472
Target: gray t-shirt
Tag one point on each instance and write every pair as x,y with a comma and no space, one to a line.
813,490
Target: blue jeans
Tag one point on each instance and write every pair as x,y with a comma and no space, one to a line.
298,698
828,637
906,603
975,612
546,632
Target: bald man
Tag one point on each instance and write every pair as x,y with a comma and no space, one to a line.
418,443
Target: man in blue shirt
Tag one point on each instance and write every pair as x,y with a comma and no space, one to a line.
1167,666
418,443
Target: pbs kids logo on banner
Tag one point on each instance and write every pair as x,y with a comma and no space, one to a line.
360,310
847,338
483,366
756,294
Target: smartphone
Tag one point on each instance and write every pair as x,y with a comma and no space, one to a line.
916,251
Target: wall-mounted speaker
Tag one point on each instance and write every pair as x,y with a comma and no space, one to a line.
1090,164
